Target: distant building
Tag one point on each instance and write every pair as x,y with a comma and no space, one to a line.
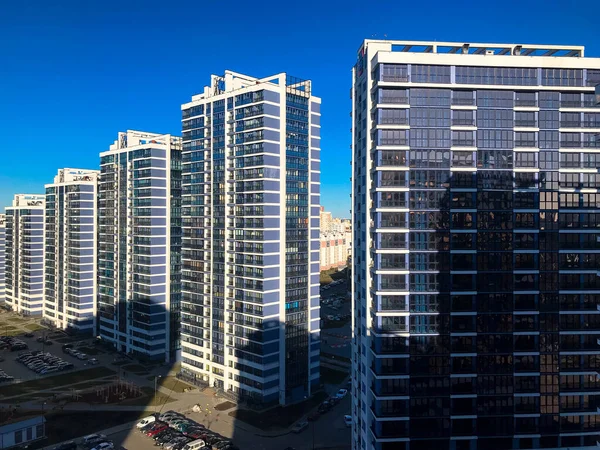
139,237
24,269
326,219
334,249
70,253
21,431
2,256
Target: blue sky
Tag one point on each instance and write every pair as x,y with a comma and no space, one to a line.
73,73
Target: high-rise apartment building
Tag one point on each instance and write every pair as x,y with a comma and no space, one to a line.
476,219
2,256
24,266
70,253
139,242
250,270
326,219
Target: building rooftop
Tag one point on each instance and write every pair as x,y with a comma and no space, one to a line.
233,81
473,48
132,138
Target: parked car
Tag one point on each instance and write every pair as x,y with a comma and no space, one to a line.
158,429
341,393
93,361
348,420
145,421
194,445
313,416
104,446
29,335
300,427
324,407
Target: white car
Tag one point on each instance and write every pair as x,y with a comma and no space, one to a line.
145,421
348,420
104,446
341,393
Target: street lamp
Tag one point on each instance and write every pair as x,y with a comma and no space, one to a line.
156,377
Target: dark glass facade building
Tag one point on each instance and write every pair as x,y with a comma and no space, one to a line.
476,242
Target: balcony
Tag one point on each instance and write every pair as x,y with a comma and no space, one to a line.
463,101
463,122
394,100
525,123
525,102
463,142
570,124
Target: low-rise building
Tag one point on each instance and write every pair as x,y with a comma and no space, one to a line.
20,432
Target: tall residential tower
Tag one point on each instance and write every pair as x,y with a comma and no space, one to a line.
250,277
70,258
2,256
139,242
25,254
476,218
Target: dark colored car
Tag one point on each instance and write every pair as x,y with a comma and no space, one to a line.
313,416
324,407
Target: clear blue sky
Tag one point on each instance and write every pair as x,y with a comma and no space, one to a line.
74,73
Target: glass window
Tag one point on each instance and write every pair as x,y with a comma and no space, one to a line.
393,116
525,119
463,98
496,75
430,97
548,119
562,77
429,74
495,118
393,72
549,100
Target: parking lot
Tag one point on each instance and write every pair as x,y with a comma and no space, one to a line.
336,323
37,360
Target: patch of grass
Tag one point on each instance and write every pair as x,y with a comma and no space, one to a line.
90,384
55,381
11,333
173,384
279,417
33,327
224,406
38,395
332,376
138,369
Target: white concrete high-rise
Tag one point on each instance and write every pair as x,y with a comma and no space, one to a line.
24,273
250,273
70,250
139,238
2,256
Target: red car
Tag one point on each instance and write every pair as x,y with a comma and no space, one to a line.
157,430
